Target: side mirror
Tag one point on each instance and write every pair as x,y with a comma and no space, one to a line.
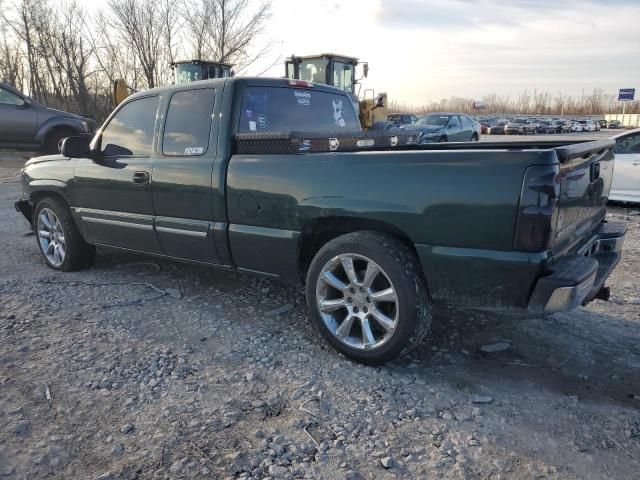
380,101
75,147
26,102
365,69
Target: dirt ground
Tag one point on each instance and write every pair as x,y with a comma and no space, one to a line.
140,368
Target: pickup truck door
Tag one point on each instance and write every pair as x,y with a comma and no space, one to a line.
182,173
18,119
626,172
112,193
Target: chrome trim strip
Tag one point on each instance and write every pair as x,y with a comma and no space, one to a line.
118,223
179,231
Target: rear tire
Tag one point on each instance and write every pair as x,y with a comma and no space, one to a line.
367,296
474,138
58,237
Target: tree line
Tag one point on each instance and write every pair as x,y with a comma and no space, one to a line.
598,102
67,57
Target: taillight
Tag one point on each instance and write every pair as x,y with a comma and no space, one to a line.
538,208
301,83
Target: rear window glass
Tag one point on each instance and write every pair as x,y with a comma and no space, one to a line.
277,109
186,132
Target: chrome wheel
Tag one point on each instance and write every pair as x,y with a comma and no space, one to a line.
51,237
357,301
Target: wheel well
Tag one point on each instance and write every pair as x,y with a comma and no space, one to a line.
59,129
319,232
39,195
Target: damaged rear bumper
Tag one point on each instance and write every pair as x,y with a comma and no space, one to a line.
580,277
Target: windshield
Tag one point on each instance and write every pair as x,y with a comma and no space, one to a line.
188,72
314,70
436,120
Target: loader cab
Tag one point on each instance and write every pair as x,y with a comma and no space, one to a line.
327,68
185,71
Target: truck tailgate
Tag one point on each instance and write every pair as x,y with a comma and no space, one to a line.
585,174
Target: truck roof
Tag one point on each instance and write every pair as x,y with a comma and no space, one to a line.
252,81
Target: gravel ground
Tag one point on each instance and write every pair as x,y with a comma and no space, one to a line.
139,368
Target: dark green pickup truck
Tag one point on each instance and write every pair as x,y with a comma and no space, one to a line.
275,177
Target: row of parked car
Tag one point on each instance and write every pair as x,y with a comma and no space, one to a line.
504,125
533,126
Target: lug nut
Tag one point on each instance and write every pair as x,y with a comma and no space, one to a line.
355,309
352,290
365,310
368,300
349,299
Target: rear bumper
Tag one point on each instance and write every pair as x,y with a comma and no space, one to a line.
578,278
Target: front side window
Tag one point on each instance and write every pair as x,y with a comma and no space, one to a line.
130,131
278,109
454,121
10,98
188,124
343,76
628,144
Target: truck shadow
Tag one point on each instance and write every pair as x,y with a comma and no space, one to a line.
581,353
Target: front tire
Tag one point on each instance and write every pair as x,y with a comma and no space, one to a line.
58,237
366,295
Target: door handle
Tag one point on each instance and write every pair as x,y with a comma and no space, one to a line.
141,178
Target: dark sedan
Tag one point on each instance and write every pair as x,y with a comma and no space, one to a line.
497,128
445,127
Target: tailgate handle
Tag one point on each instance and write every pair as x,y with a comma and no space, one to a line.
595,172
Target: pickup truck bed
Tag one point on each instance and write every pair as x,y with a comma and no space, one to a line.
378,228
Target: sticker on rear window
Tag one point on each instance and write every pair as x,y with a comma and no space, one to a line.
337,113
193,150
303,97
252,125
262,121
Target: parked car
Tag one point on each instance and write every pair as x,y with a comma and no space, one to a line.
602,123
545,126
614,124
497,128
202,172
26,124
521,126
576,126
587,125
625,186
401,118
445,127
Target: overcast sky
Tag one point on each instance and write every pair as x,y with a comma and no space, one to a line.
420,50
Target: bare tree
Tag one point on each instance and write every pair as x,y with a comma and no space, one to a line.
141,24
226,30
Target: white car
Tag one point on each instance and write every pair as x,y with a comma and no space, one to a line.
587,125
625,186
576,127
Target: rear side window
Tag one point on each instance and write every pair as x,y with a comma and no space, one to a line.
278,109
188,125
130,131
